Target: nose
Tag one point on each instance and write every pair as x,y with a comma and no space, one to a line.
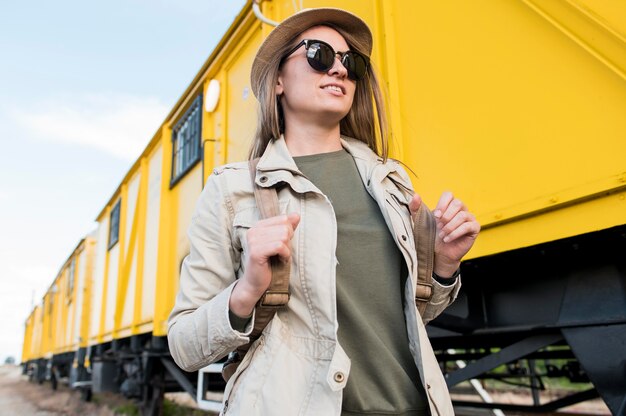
338,69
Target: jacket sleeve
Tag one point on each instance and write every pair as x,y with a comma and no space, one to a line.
199,330
443,296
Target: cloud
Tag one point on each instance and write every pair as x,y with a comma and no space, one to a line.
119,124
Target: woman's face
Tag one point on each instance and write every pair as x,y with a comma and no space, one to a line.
310,96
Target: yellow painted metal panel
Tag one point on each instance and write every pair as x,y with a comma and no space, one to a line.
125,296
611,13
219,125
140,249
27,347
98,285
166,269
49,321
66,321
151,236
86,290
500,106
33,349
210,132
241,110
117,278
131,205
552,225
110,291
61,316
187,193
79,297
38,332
601,38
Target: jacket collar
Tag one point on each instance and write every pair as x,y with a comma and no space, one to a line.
277,164
277,157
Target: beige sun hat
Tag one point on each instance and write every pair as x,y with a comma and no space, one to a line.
298,23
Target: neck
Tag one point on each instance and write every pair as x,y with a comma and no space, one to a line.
303,140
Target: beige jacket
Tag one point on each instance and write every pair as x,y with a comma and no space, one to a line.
297,367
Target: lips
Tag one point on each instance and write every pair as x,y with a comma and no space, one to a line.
334,87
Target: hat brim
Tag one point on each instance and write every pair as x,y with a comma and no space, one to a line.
298,23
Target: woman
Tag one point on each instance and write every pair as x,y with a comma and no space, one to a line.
350,340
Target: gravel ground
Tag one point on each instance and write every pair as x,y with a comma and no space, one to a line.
18,396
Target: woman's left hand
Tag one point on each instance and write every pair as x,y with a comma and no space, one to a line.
457,230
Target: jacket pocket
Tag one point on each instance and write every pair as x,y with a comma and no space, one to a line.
245,218
235,380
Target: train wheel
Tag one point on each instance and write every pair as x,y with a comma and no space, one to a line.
152,403
53,381
85,394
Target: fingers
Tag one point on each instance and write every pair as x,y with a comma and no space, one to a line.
267,238
447,207
453,218
466,229
443,203
272,236
262,248
294,219
415,203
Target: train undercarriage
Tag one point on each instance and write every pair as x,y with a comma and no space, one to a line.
556,310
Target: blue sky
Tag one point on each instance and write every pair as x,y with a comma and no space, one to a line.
83,87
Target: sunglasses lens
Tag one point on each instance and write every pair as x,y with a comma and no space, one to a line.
355,64
320,56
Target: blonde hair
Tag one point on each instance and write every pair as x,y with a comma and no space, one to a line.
366,121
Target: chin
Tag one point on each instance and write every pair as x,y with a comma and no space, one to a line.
336,111
334,117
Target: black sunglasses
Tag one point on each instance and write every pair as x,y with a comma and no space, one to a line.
321,57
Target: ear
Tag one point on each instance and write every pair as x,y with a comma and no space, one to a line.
279,89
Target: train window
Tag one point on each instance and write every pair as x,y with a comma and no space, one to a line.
114,225
186,142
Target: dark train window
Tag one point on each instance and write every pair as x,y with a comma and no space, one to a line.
186,142
114,225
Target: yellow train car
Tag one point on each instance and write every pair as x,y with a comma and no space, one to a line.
58,329
39,337
517,106
31,348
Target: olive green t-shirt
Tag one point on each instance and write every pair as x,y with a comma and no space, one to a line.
370,278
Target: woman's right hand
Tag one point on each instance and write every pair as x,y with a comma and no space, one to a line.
267,238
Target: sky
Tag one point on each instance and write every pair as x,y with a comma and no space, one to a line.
83,88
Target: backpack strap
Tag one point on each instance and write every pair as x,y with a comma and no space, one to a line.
277,294
424,233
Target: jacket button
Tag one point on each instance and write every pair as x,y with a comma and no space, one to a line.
339,377
263,179
404,238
